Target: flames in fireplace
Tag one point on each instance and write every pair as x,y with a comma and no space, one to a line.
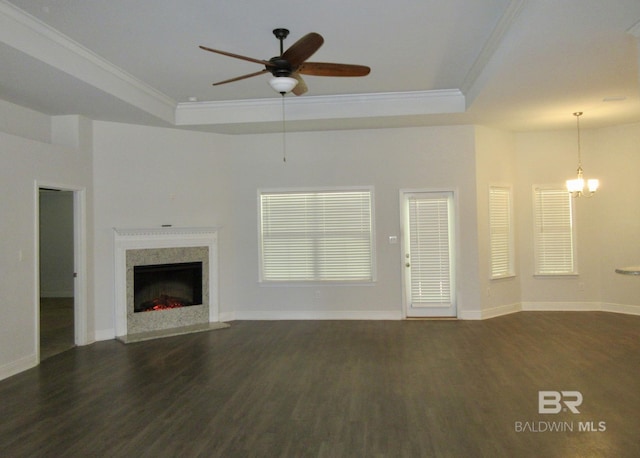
167,286
162,303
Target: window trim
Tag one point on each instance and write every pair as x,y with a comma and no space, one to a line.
511,255
536,254
337,189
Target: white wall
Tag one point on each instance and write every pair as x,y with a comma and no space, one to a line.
496,165
146,177
25,163
387,159
25,123
617,164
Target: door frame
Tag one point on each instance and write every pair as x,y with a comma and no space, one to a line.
80,312
403,232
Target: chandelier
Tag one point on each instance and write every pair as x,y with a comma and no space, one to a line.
576,186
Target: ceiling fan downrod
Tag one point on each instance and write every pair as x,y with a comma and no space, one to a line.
281,34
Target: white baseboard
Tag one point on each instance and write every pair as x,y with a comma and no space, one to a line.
621,308
105,334
501,310
226,316
470,315
317,315
561,306
18,366
463,314
492,312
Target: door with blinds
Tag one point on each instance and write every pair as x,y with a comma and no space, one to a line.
428,254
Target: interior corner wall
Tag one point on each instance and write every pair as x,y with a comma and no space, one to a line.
149,176
25,162
496,165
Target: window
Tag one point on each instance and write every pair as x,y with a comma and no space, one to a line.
311,236
553,232
501,232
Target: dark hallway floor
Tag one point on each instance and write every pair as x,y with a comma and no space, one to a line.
56,326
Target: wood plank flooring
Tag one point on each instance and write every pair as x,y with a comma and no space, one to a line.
56,326
338,389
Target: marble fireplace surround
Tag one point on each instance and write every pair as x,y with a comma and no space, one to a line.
164,245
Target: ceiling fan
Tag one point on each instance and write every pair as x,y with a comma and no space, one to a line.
288,67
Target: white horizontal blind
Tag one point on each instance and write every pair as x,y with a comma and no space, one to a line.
429,234
554,241
501,231
317,236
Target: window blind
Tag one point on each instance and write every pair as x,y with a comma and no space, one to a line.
500,232
429,234
316,236
554,235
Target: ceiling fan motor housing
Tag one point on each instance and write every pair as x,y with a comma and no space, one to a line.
281,67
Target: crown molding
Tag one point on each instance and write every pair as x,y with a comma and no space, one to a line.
635,30
472,81
33,37
344,106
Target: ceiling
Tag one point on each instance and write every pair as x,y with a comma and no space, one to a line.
513,64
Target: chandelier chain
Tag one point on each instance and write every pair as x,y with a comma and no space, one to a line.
577,114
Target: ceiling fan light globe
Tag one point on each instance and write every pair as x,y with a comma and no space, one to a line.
283,84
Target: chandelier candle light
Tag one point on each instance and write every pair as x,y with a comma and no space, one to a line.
576,186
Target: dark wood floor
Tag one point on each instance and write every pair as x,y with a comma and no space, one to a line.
56,326
338,389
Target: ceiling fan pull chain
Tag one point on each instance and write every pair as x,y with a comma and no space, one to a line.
284,134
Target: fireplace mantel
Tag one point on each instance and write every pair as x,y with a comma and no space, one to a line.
164,231
133,239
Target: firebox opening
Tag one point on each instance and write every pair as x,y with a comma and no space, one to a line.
167,286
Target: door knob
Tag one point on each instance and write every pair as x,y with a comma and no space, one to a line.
407,265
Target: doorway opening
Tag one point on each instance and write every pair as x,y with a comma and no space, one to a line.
57,254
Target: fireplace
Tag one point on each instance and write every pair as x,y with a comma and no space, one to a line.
166,279
166,286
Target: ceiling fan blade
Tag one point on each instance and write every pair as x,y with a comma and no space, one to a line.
330,69
237,78
301,87
302,49
238,56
